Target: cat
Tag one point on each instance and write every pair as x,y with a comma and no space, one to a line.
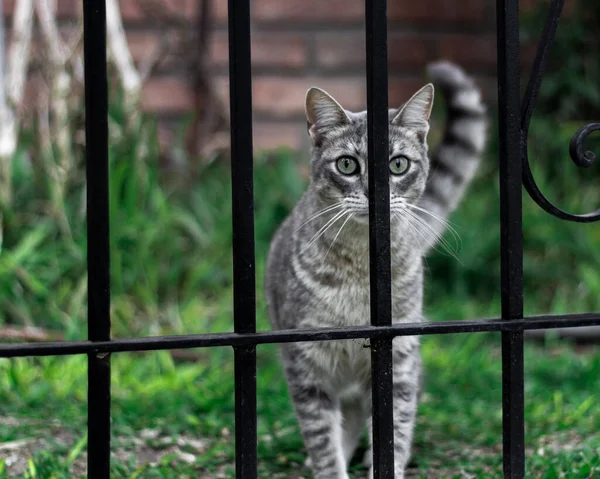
318,264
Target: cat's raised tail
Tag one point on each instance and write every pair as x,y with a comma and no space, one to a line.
454,162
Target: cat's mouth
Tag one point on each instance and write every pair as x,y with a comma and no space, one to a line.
362,217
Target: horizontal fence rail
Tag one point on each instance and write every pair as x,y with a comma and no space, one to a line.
514,118
156,343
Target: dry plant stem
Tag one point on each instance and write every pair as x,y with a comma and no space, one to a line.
60,89
29,333
2,58
55,173
156,56
77,49
121,56
211,122
14,84
131,79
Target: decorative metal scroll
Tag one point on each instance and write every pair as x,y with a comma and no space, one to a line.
581,158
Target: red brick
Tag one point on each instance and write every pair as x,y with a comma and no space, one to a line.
143,44
528,51
68,8
329,11
469,51
31,94
436,10
131,10
270,135
285,96
347,50
340,50
8,7
528,5
408,50
135,10
266,135
167,95
400,10
401,89
268,50
489,88
220,10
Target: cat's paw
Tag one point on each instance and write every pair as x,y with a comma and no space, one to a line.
308,463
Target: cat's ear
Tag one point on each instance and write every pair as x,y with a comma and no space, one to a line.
322,112
415,114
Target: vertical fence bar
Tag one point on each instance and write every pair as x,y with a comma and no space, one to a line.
511,236
98,248
379,235
244,290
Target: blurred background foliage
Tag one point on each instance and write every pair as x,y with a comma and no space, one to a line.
171,233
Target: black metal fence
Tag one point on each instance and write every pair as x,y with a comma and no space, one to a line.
514,118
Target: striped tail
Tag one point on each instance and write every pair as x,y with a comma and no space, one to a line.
456,159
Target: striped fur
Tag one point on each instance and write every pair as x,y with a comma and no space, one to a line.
318,266
456,159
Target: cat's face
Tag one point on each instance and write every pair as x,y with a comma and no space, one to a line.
339,158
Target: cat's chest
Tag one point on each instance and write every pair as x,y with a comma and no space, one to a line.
349,304
339,289
345,364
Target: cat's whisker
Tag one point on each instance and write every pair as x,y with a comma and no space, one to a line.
338,233
439,218
433,235
452,249
328,209
323,229
428,239
425,232
447,225
415,232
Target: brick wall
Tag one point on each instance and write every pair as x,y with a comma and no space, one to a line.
299,43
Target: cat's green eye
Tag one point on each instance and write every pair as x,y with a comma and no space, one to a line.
399,165
347,165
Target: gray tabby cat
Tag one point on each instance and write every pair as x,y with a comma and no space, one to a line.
318,265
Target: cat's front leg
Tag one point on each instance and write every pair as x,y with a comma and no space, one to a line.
320,420
406,384
319,415
407,373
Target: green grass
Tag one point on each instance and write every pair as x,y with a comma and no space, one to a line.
162,409
171,273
